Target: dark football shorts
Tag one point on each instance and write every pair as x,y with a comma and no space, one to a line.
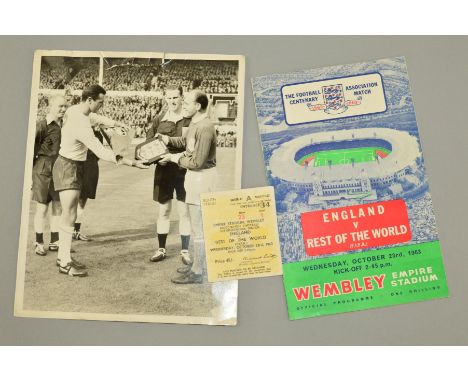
43,185
90,177
167,179
67,174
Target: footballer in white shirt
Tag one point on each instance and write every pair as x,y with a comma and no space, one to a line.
77,138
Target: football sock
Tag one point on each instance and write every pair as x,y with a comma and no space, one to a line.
162,240
40,238
54,223
77,227
54,236
185,239
39,217
79,214
184,219
65,244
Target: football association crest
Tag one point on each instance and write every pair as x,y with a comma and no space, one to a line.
334,99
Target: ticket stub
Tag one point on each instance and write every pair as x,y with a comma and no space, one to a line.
241,234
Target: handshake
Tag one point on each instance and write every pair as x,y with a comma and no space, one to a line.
155,150
138,163
167,157
163,138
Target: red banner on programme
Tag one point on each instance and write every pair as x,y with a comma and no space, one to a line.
350,228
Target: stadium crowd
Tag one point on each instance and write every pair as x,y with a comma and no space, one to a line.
128,77
69,75
124,75
228,139
291,240
422,219
42,106
213,77
137,111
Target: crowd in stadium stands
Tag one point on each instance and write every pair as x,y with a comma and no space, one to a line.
84,78
209,76
136,111
290,232
42,105
228,139
422,219
63,76
127,77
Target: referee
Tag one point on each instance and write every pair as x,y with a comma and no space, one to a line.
46,148
169,177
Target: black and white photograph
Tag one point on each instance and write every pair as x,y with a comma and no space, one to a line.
120,147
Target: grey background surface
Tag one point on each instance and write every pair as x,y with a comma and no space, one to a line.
438,69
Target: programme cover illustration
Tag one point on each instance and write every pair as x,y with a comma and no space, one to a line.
355,217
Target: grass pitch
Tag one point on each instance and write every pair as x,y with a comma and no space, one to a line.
122,223
343,156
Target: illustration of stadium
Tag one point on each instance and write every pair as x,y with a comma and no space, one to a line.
356,165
